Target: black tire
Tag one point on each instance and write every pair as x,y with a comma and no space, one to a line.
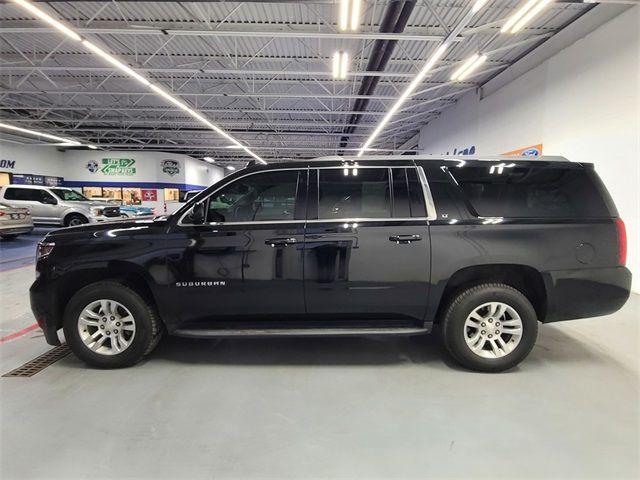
75,219
465,303
148,326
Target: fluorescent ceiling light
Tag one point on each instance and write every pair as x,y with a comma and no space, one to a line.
230,167
355,14
344,63
171,98
464,66
129,71
478,5
518,15
115,62
344,14
349,14
335,69
472,67
530,15
340,65
92,147
233,146
209,159
66,141
47,18
406,94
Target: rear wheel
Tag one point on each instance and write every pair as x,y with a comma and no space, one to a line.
108,325
75,219
490,327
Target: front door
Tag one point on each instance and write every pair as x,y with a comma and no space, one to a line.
367,246
246,259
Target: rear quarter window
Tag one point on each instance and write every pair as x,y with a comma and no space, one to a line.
23,194
532,192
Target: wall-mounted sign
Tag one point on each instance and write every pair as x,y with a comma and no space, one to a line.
170,167
149,195
8,164
92,166
532,151
464,151
118,166
26,179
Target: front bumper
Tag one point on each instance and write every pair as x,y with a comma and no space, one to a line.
584,293
101,219
45,308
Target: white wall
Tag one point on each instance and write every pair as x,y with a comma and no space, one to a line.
38,160
583,103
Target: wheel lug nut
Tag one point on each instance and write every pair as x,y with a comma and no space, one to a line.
491,320
102,327
115,331
497,324
117,324
483,324
483,332
490,336
497,332
108,332
113,318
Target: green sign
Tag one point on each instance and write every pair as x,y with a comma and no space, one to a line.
118,166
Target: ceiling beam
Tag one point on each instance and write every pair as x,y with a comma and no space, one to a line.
306,34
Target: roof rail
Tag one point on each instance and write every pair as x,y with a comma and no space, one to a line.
485,158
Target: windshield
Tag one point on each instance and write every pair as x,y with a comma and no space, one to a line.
69,195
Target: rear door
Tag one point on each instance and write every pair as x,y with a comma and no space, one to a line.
367,246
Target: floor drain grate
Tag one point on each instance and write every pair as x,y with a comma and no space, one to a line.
38,364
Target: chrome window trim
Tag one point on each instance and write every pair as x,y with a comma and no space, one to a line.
371,219
428,198
431,211
183,224
333,220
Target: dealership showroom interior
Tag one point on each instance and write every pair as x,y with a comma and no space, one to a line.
320,239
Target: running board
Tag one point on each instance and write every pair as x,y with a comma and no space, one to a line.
297,332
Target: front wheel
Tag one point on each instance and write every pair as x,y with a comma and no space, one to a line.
75,219
490,327
108,325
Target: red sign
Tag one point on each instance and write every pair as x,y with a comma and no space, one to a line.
149,195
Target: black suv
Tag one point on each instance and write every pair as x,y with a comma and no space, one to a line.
483,248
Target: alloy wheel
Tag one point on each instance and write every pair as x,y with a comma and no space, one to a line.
493,330
106,327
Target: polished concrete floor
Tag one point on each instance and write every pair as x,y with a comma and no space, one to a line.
323,408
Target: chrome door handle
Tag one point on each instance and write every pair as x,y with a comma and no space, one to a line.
404,239
280,242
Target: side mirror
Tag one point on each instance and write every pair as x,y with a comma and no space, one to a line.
197,213
49,201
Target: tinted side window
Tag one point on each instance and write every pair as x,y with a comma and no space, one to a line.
401,208
354,193
530,192
24,194
268,196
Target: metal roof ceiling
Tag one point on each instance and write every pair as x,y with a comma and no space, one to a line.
259,70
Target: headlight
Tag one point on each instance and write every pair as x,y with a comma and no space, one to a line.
44,249
97,211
